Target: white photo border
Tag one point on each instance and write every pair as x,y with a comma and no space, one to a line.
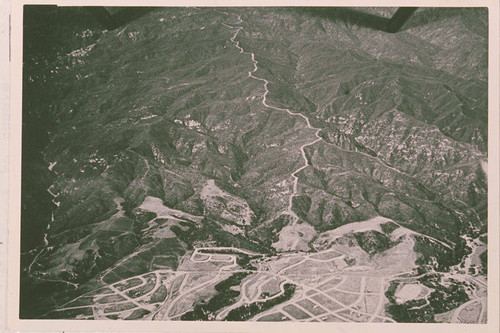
12,305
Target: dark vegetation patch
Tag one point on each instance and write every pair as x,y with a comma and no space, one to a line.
484,262
444,256
138,314
441,299
388,227
225,296
208,230
119,307
373,242
159,295
246,312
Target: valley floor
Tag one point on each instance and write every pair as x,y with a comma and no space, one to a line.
327,289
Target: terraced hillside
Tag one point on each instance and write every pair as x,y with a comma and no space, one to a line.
255,164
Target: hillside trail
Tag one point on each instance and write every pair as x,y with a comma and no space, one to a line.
289,211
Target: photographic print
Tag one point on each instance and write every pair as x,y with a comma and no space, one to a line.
262,164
